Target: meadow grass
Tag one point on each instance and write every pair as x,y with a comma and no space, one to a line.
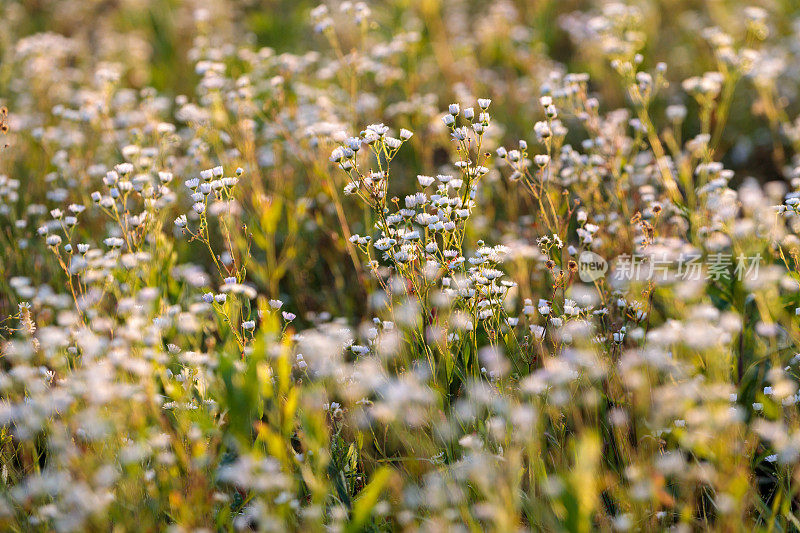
409,265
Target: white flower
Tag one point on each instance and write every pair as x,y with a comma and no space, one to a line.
544,307
425,181
111,177
124,168
337,154
354,143
542,130
238,288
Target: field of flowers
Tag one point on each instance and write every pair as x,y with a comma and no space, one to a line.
409,265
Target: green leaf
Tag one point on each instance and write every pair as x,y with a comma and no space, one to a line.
367,499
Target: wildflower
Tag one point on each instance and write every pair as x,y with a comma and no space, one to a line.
337,155
676,113
393,143
378,129
425,181
537,331
544,307
124,169
542,130
238,288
